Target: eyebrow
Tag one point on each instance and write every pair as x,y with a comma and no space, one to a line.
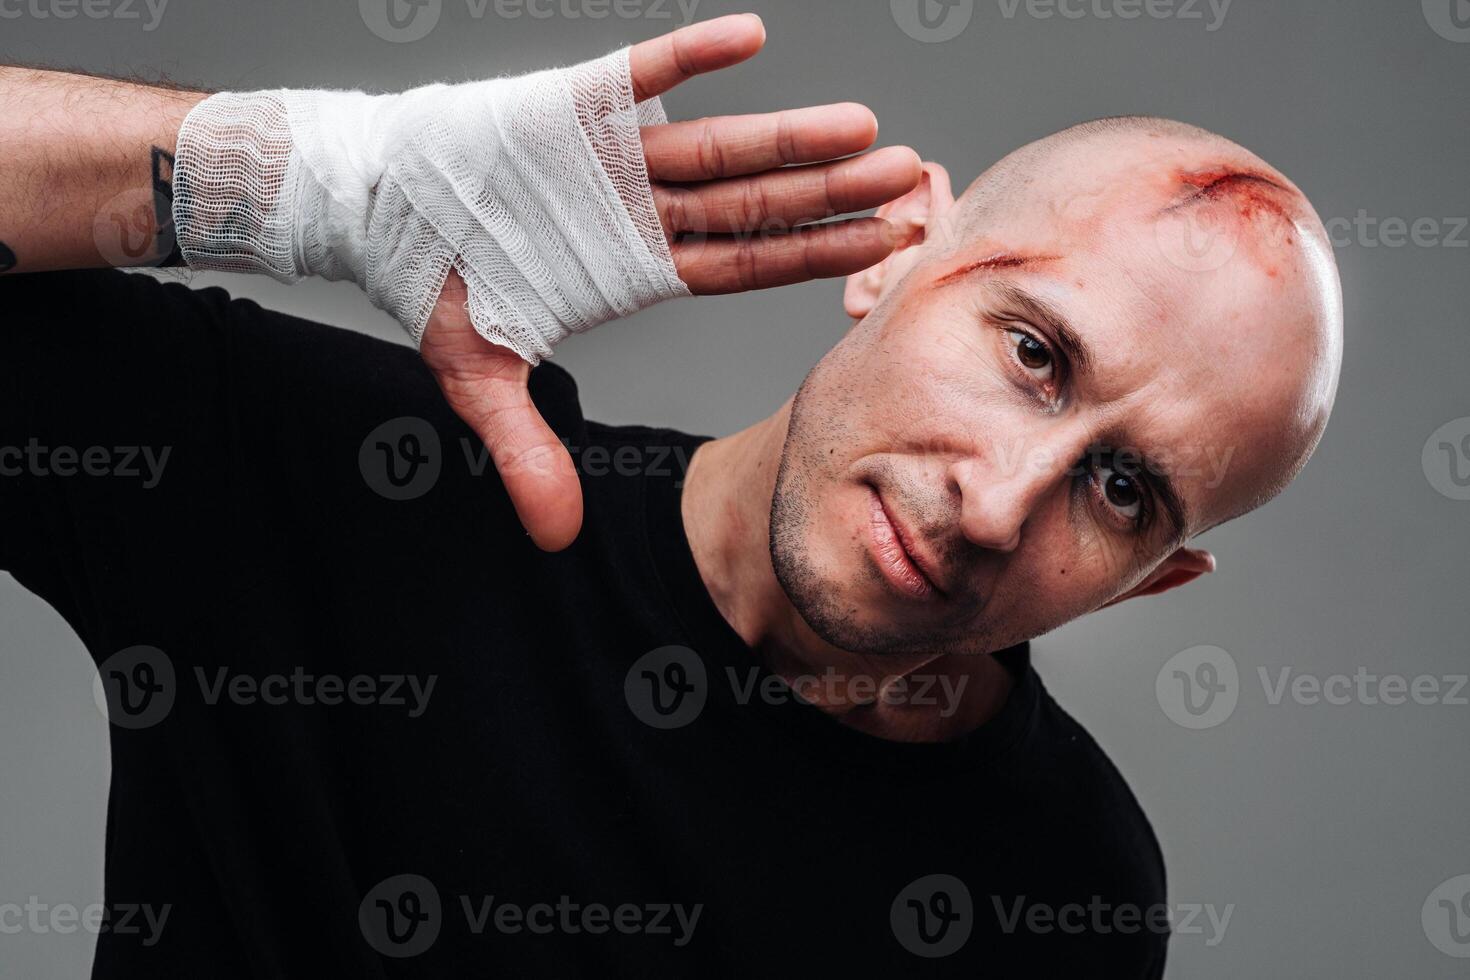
1031,307
1079,355
1169,500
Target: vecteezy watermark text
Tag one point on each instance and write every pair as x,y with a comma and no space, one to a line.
1201,686
63,918
668,687
404,914
1100,917
934,916
568,917
136,688
937,21
403,458
126,462
90,9
300,687
401,21
1121,10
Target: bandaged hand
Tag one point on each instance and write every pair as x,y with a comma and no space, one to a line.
494,219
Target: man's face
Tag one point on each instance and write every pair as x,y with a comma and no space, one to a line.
1034,419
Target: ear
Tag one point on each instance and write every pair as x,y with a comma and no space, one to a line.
1183,566
911,216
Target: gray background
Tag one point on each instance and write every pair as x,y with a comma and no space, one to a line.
1326,827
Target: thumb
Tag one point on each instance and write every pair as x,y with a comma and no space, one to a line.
533,464
486,385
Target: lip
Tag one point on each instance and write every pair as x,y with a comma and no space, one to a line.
892,548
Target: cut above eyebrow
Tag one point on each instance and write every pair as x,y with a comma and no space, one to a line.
1002,260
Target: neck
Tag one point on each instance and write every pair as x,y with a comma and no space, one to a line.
726,508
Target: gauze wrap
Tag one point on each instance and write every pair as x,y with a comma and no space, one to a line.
534,188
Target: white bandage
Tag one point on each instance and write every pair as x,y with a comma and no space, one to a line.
534,188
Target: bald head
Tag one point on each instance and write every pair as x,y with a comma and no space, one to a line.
1118,337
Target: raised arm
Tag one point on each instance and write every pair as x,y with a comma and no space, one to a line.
492,219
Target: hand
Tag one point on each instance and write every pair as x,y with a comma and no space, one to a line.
712,180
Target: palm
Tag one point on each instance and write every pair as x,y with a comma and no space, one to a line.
714,182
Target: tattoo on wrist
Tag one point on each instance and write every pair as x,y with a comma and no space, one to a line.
7,258
163,207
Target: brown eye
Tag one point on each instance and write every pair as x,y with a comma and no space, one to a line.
1121,490
1032,354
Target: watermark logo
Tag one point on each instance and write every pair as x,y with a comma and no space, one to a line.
1450,19
1446,917
126,229
136,227
1195,240
932,21
135,688
401,459
404,915
400,21
1199,240
401,916
1446,459
1394,231
667,688
1199,687
932,916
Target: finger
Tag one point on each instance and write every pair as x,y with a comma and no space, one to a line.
730,146
659,64
791,196
733,264
533,464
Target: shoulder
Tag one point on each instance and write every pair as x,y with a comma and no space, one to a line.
1111,834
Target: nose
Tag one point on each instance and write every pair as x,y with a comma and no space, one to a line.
1000,494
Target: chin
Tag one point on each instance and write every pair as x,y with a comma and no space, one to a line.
822,555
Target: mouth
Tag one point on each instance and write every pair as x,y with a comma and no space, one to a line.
893,550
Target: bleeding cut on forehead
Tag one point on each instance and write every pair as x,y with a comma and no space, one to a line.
1119,337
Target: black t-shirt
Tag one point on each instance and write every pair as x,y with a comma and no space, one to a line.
362,727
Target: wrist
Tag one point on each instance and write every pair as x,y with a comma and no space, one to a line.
533,188
235,185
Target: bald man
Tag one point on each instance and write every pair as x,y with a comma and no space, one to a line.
752,706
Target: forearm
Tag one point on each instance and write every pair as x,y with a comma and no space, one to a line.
88,168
